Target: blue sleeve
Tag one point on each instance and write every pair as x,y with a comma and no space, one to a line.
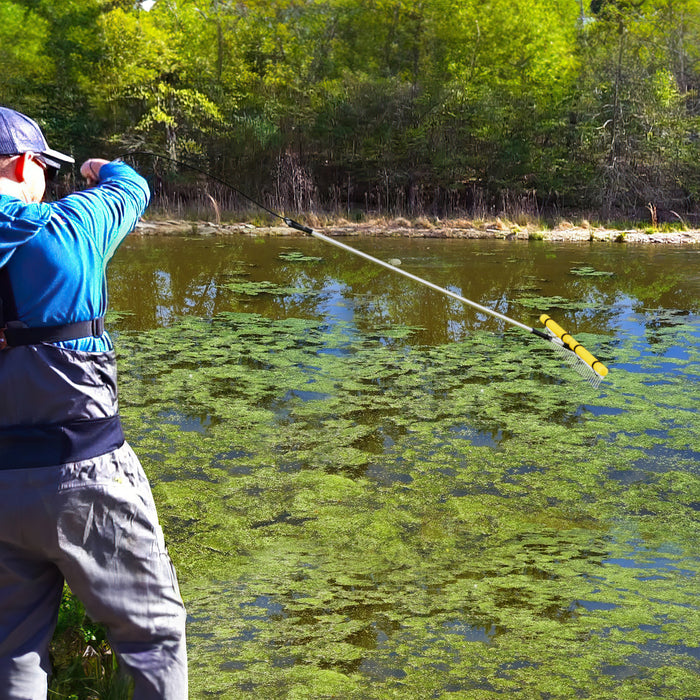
19,223
108,212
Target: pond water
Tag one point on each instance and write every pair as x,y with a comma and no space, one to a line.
370,490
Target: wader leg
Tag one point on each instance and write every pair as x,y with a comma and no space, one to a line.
116,563
30,593
93,522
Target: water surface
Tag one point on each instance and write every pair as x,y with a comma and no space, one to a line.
371,491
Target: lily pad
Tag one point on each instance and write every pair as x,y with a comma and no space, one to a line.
588,271
296,256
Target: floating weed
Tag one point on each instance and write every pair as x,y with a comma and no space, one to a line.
359,518
251,288
588,271
114,317
296,256
547,303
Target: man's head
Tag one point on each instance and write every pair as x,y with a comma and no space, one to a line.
25,157
20,134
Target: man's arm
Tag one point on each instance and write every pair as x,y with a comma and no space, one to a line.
110,208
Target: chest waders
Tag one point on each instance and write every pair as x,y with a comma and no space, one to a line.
58,405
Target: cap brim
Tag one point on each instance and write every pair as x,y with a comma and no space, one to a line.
54,158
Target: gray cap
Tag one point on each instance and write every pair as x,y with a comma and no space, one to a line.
20,134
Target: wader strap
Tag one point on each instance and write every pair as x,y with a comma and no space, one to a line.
55,334
8,310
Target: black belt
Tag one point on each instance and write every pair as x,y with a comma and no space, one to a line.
55,334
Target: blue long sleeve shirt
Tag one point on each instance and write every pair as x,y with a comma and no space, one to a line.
57,253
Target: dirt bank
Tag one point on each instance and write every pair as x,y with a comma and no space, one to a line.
443,229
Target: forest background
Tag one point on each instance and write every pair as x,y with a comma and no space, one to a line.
424,107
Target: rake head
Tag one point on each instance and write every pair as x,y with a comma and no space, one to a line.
573,353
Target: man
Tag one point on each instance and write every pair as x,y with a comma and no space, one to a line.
74,502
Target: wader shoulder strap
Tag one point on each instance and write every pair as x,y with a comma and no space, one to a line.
8,310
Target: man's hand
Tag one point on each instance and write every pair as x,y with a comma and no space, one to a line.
90,170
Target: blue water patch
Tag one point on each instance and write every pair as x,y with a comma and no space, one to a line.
187,422
478,438
591,605
472,633
262,608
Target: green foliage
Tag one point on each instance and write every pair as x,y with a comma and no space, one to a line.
385,105
634,102
83,665
23,62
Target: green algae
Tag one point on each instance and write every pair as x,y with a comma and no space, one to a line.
251,288
545,303
589,271
353,515
296,256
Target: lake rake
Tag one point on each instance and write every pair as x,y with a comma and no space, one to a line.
571,351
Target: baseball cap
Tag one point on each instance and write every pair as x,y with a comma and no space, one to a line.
20,134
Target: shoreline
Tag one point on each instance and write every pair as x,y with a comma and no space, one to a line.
400,228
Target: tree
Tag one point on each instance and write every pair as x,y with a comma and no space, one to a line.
26,63
393,104
631,112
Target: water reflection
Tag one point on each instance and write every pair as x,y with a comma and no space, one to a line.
592,289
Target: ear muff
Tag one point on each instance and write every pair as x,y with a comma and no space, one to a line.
20,166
